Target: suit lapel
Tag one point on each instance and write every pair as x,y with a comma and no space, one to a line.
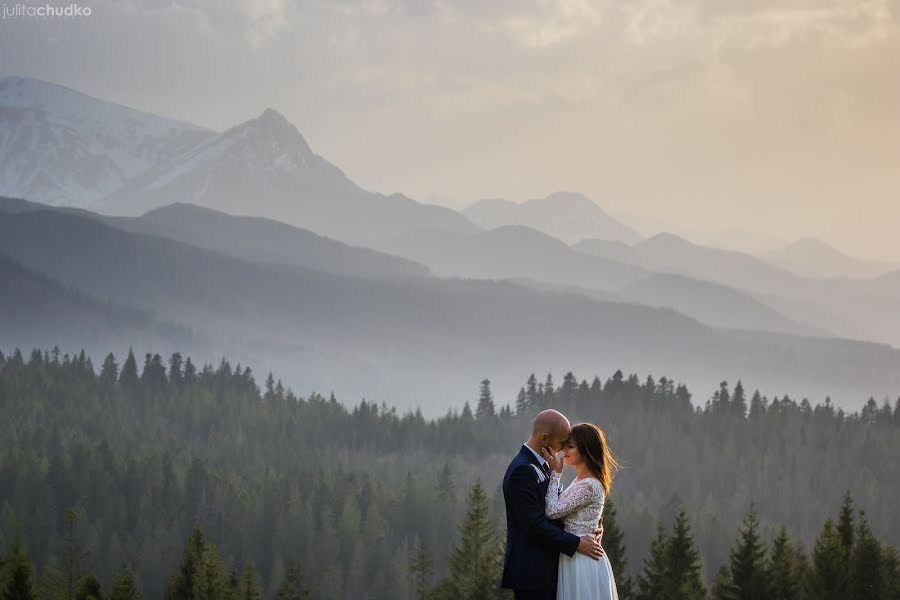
540,477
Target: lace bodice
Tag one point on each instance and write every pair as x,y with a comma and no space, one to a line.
579,505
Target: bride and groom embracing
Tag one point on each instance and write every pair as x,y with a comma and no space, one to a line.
553,534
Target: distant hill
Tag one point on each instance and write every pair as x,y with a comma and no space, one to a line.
614,250
713,303
854,308
568,216
713,264
264,240
38,312
888,283
249,238
265,168
510,252
815,258
388,338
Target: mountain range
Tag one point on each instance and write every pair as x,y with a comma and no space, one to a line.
61,147
383,338
568,216
810,257
247,243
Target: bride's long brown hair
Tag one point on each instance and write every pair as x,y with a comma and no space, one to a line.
591,443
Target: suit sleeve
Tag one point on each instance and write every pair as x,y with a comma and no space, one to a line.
526,503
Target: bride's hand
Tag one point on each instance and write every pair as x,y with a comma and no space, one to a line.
555,463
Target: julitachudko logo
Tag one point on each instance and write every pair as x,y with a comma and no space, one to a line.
44,11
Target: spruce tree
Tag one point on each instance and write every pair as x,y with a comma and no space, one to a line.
846,526
531,393
128,378
250,583
829,574
475,560
421,568
124,586
652,577
748,560
485,408
109,373
19,574
234,583
781,571
739,401
614,547
294,586
208,582
683,565
723,587
181,585
548,397
90,588
522,406
65,574
757,407
890,573
446,487
865,577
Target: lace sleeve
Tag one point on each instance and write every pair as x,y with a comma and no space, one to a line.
576,496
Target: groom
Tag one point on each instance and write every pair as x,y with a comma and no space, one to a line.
534,542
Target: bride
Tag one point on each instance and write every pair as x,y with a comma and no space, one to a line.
580,506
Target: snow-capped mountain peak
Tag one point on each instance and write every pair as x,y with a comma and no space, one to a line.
270,140
59,146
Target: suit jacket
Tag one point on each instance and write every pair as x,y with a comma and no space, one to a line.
533,542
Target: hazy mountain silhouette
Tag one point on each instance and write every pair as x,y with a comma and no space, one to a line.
732,268
615,250
38,312
815,258
61,147
853,308
265,240
510,252
383,338
568,216
521,253
713,303
264,167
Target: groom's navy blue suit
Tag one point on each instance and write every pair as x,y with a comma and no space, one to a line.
533,542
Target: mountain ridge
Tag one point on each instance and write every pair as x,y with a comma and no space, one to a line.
381,338
569,216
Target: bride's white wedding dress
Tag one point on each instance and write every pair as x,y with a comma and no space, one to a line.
580,506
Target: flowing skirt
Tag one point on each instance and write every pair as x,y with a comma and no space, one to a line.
583,578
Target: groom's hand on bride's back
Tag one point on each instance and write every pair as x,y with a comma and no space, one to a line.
599,531
590,546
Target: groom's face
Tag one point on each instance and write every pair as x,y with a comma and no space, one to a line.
558,439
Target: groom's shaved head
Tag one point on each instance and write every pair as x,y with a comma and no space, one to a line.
551,422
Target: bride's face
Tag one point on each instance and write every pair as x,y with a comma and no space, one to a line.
570,454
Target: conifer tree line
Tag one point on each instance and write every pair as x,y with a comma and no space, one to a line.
174,481
847,562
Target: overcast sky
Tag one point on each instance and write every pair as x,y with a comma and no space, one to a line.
772,116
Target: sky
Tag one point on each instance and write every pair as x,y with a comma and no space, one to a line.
751,121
